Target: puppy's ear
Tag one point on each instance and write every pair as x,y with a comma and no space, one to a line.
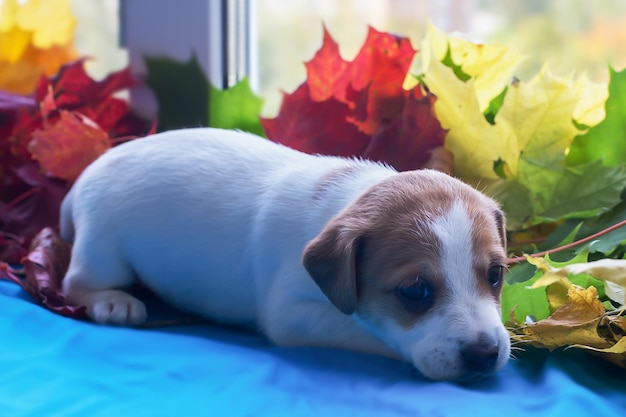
330,259
501,225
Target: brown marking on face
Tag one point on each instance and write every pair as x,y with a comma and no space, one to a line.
489,247
387,232
394,258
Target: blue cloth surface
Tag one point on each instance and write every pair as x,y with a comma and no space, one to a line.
55,366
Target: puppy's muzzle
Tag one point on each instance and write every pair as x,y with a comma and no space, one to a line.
480,358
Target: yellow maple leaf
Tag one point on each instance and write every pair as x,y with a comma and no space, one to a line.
612,271
533,127
490,65
474,142
539,114
35,39
590,110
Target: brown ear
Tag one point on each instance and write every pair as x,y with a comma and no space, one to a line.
330,259
501,225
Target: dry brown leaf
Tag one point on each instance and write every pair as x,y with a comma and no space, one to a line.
574,323
581,322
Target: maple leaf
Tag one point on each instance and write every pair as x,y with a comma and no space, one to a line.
326,71
74,89
490,65
574,323
315,127
382,65
76,120
65,148
378,70
181,90
612,271
33,203
406,142
45,266
516,144
360,108
577,316
605,141
235,108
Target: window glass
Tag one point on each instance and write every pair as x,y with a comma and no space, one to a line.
582,35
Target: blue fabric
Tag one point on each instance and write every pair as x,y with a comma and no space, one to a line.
54,366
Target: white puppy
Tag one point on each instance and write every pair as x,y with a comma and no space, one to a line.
309,250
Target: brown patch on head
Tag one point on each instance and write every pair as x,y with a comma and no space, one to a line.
384,242
489,241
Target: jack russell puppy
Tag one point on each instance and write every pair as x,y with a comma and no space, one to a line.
308,250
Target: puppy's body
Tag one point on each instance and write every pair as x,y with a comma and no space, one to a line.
216,222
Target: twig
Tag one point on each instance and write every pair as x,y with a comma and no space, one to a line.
569,245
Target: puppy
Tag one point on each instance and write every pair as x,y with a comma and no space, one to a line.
309,250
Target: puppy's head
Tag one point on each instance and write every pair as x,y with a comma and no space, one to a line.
419,261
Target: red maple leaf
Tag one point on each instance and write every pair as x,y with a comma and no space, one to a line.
76,120
65,148
360,108
378,71
73,89
382,64
315,126
326,72
407,141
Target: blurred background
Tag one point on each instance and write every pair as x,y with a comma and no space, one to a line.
580,35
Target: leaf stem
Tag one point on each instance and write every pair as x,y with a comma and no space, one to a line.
569,245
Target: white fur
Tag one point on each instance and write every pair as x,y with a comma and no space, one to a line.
215,222
433,344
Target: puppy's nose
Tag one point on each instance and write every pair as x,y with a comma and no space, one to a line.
481,357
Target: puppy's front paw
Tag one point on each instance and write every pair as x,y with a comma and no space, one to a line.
116,307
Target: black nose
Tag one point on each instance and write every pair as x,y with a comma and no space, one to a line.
480,357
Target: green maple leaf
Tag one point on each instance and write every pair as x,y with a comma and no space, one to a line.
521,301
187,99
181,89
235,108
607,140
560,193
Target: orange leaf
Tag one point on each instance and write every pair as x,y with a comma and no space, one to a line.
383,62
381,65
65,148
325,71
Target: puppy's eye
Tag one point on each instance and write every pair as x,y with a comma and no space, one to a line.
495,275
417,297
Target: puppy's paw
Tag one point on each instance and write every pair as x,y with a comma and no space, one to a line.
116,307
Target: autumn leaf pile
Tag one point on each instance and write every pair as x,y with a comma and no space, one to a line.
360,108
551,150
51,126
